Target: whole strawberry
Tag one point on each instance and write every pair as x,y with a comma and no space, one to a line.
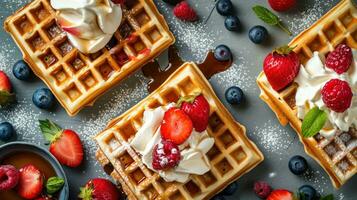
282,5
65,144
184,12
99,189
281,67
6,95
337,95
340,59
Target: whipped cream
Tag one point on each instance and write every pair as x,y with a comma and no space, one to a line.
89,24
193,151
311,80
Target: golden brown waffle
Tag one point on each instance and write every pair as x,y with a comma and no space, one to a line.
77,79
232,155
337,155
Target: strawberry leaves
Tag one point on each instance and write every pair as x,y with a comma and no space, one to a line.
313,122
50,130
6,98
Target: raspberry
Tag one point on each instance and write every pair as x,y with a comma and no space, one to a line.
262,189
337,95
166,155
184,12
9,177
340,59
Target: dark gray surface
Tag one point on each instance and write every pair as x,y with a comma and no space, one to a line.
193,40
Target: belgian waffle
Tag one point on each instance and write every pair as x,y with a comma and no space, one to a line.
77,79
232,155
337,155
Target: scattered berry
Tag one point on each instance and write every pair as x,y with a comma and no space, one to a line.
281,194
6,96
258,34
9,177
99,189
281,67
282,5
30,182
65,144
307,192
43,98
22,71
166,155
234,95
297,165
230,189
340,59
172,2
222,53
262,189
232,23
197,108
184,12
224,7
176,126
337,95
7,131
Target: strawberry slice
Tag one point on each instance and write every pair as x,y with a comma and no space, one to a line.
6,96
176,126
281,194
65,145
30,182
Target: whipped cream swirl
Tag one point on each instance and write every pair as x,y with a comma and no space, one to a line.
89,24
311,80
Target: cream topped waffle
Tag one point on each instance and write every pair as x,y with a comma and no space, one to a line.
231,156
78,79
337,154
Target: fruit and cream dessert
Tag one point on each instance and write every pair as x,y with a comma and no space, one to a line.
89,24
173,140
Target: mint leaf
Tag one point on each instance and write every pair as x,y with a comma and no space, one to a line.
328,197
313,122
54,184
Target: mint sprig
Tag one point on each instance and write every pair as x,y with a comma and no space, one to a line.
269,17
54,184
313,122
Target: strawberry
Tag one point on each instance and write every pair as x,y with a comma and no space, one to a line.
282,5
281,194
176,126
65,144
30,182
184,12
281,67
6,96
99,189
197,108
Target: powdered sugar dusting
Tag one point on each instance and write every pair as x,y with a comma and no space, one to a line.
318,179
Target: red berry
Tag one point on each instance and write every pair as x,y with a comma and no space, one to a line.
340,59
9,177
5,84
197,108
337,95
166,155
184,12
30,182
282,5
99,189
262,189
121,2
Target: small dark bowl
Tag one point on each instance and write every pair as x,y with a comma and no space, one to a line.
14,147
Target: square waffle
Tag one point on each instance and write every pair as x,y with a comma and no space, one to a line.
232,155
77,79
337,155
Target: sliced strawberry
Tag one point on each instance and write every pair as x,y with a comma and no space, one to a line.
6,96
65,145
176,126
197,108
30,182
99,189
281,194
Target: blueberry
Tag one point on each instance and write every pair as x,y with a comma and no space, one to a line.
43,98
297,165
224,7
258,34
230,189
234,95
307,192
222,53
232,23
172,2
6,131
21,70
218,197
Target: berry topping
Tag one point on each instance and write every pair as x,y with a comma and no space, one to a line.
176,126
22,71
9,177
6,96
340,59
30,182
297,165
262,189
234,95
172,2
224,7
230,189
282,5
281,67
258,34
184,12
281,194
6,131
43,98
197,108
165,155
337,95
99,189
222,53
307,192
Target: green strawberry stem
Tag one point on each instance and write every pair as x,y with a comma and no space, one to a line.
50,130
188,99
86,193
284,50
6,98
280,25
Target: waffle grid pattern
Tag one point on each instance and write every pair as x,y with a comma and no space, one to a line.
338,155
232,155
77,79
